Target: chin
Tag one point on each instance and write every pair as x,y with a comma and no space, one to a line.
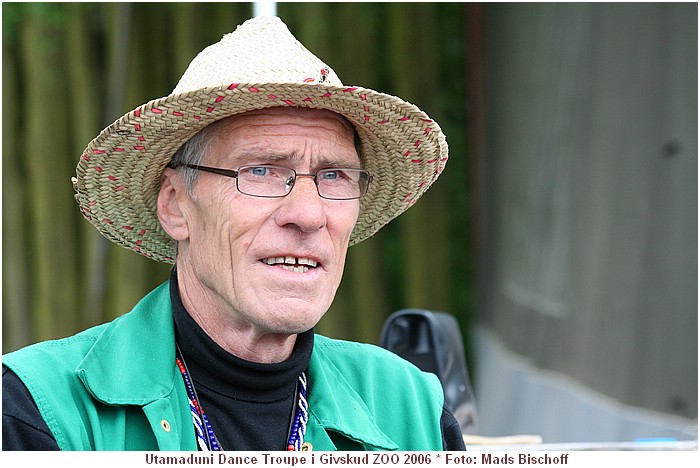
288,315
301,324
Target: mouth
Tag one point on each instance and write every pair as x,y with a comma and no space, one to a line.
293,264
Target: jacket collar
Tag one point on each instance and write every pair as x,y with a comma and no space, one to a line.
132,361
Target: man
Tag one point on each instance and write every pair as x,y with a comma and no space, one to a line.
253,177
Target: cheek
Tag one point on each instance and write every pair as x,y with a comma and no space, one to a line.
237,225
214,225
349,217
343,225
231,233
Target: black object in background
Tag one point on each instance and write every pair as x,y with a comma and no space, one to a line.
433,342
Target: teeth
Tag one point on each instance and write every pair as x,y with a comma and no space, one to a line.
295,269
299,265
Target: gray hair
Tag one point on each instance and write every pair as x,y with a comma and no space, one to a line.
193,151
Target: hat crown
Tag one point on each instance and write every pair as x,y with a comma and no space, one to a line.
261,50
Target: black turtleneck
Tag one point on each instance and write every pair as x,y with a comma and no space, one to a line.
249,404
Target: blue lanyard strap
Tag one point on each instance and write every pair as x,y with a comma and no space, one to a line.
206,439
301,417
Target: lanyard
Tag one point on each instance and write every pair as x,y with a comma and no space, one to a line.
206,438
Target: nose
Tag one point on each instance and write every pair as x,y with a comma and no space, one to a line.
302,208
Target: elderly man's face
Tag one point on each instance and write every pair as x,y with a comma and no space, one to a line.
233,241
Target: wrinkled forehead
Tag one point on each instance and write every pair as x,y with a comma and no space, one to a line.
286,120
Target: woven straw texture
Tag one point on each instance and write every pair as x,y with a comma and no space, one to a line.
260,65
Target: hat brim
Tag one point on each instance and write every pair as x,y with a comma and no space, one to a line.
118,175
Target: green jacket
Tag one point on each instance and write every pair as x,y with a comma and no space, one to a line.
117,387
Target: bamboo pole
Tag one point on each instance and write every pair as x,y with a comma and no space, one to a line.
49,174
142,74
85,122
16,295
366,275
415,225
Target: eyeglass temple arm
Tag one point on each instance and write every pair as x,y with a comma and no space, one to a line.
214,170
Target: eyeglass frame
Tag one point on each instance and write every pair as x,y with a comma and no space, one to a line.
234,174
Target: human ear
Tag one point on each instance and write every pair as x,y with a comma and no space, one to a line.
170,197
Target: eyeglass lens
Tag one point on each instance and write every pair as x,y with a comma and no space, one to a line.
276,181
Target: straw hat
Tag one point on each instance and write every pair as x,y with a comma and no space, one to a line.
259,65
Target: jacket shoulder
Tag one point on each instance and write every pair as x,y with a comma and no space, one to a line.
56,355
351,353
367,364
370,394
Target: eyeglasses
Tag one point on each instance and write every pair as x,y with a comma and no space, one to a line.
278,181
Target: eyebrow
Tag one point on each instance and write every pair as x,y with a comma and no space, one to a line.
272,158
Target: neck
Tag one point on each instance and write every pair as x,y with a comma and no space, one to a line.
252,346
227,329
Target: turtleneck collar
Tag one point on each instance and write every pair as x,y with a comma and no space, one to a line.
212,367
